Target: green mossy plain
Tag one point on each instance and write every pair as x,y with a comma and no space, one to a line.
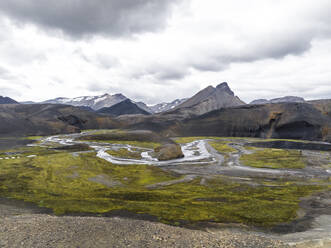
274,159
125,153
184,140
60,181
222,147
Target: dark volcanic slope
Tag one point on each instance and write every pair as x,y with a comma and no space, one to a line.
123,108
284,120
287,120
45,119
311,121
7,100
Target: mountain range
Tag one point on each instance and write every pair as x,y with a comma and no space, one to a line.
206,100
94,102
279,100
214,111
107,100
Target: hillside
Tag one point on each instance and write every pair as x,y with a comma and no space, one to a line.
125,107
7,100
45,119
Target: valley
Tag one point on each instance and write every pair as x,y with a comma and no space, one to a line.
209,166
232,181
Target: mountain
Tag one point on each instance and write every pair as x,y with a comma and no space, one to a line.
7,100
163,107
94,102
210,99
278,100
143,106
309,121
48,119
280,120
125,107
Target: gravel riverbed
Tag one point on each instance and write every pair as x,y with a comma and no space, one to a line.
41,230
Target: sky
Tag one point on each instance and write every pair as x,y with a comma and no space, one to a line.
160,50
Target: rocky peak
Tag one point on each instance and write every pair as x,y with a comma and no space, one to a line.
225,87
120,96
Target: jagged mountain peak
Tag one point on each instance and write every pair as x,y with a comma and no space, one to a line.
210,99
225,87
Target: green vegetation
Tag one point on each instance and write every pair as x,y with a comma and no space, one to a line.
62,182
184,140
275,159
33,137
125,153
222,147
25,151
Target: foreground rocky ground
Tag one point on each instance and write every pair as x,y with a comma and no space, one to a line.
22,226
25,225
50,231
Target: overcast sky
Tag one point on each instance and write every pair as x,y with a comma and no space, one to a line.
160,50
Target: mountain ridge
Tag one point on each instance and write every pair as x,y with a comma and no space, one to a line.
284,99
209,99
7,100
126,107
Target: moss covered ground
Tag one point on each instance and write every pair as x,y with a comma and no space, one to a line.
61,181
184,140
125,153
275,159
222,147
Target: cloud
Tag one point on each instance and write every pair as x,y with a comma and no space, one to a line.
162,72
263,48
78,18
5,74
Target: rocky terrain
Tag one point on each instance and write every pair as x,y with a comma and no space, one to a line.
38,230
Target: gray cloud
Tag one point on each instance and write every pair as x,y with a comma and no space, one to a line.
4,73
7,75
5,91
276,46
167,72
79,18
104,61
